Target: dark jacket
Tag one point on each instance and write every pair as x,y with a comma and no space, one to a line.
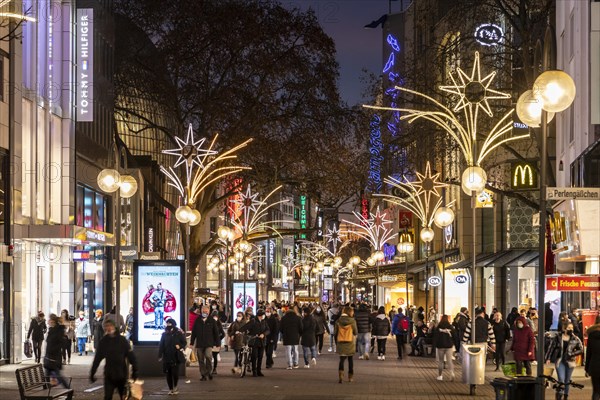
501,331
220,329
321,322
54,345
443,336
37,329
460,323
523,341
381,326
363,320
512,317
238,340
98,331
554,352
115,349
256,327
309,326
592,355
166,348
483,332
273,323
205,333
291,328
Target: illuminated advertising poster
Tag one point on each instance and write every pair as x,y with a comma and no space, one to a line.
158,297
240,303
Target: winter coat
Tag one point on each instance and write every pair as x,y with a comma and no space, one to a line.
220,329
273,323
192,317
54,345
256,327
82,328
443,336
592,354
37,329
381,326
119,322
554,352
396,329
460,323
523,341
98,331
483,332
363,320
346,348
205,333
115,349
321,326
309,326
237,340
166,348
501,330
511,318
291,328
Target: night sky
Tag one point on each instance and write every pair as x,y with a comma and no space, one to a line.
357,47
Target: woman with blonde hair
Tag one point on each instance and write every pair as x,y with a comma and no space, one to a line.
345,335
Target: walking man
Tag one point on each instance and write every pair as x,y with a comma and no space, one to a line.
205,335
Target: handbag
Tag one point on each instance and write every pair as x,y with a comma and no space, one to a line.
136,389
180,356
28,348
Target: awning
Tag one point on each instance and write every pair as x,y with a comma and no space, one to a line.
400,268
503,258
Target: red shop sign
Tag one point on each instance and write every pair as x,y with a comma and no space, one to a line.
573,283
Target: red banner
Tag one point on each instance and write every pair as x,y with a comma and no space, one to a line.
573,283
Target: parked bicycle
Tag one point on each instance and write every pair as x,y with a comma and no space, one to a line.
558,386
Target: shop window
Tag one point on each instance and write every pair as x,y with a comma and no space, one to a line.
99,212
79,206
88,208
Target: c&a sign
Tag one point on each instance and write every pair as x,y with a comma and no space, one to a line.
573,283
523,176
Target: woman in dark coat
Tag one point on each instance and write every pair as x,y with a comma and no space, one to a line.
443,340
217,349
523,345
321,327
37,330
97,328
308,340
54,346
236,342
502,334
592,358
172,342
381,330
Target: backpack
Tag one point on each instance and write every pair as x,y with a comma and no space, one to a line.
403,325
344,333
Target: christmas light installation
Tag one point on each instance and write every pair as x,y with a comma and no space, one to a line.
474,93
14,15
333,237
376,229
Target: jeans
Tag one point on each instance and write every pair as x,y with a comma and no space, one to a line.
55,373
564,373
291,352
237,361
350,364
520,365
37,349
447,354
320,341
313,353
363,342
400,340
81,341
159,318
205,360
331,337
381,346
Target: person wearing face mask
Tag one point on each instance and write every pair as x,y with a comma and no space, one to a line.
523,345
82,331
321,327
502,333
217,349
116,350
273,323
236,341
563,351
205,335
257,328
171,343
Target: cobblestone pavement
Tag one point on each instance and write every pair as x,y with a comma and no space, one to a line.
411,378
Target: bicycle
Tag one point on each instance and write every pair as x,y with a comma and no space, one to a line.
245,354
558,386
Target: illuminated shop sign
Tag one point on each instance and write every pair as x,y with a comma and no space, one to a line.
523,176
81,255
320,217
489,34
85,65
461,278
573,283
150,240
434,281
303,215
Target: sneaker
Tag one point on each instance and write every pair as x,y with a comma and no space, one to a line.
214,372
219,357
170,393
274,355
296,366
318,353
383,358
289,367
314,361
361,358
366,356
330,349
379,357
233,370
307,366
175,390
440,378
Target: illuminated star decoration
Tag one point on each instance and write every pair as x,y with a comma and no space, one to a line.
474,93
376,229
247,202
13,15
333,237
190,152
419,195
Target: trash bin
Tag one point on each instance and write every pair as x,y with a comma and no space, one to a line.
473,363
518,388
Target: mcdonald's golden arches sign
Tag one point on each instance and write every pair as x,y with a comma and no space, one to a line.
523,176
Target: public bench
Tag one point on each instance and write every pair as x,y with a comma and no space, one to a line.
34,384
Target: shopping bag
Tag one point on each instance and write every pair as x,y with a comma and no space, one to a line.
136,389
188,353
89,346
28,348
510,369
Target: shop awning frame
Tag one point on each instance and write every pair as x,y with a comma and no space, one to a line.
399,268
505,258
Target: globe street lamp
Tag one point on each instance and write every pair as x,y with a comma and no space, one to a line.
405,246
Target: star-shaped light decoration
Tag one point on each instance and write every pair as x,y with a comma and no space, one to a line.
333,237
427,184
247,202
376,229
190,152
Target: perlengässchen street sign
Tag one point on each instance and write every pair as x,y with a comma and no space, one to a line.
572,193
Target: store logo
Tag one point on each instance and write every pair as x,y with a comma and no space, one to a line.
461,279
523,176
434,281
489,34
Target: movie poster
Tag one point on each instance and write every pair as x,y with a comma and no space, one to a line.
158,299
239,302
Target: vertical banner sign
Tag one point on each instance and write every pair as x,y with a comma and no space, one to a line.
85,65
320,217
271,257
260,265
365,208
244,295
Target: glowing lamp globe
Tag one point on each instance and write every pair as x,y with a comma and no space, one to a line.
183,214
426,235
443,217
223,232
405,247
556,90
320,265
128,186
529,109
378,255
194,217
337,260
371,261
222,267
109,180
355,260
473,180
245,246
306,268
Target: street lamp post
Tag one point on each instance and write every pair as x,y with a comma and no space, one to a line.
405,246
